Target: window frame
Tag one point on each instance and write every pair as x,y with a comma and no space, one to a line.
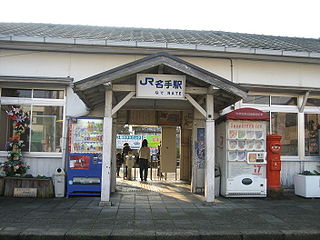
38,102
310,110
271,108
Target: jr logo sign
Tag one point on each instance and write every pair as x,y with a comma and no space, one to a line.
160,86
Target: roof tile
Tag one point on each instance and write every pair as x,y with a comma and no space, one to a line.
217,39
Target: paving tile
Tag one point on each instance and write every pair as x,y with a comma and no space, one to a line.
163,215
143,216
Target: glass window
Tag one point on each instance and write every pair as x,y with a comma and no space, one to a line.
7,127
313,102
52,94
13,92
286,125
46,128
275,100
257,99
312,130
43,132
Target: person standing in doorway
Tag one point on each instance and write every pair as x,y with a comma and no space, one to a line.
125,151
144,156
119,163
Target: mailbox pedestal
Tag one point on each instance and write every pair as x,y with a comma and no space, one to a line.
273,165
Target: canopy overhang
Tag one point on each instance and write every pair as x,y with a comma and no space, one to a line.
199,82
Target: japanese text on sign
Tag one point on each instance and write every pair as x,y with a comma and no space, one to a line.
160,86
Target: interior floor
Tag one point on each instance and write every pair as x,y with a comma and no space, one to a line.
160,186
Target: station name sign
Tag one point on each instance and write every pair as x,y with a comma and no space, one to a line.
164,86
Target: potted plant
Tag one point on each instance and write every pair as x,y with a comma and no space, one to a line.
307,184
14,166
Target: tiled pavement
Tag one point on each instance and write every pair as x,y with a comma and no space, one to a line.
159,211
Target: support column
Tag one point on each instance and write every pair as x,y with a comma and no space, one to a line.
113,158
107,151
198,165
185,162
210,151
301,132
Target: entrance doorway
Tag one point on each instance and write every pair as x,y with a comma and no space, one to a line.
165,90
164,165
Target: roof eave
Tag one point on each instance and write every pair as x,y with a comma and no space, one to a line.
77,42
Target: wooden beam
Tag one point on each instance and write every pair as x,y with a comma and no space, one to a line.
303,104
212,90
214,80
121,72
196,105
123,87
161,69
107,151
108,85
122,102
196,90
147,63
210,151
210,107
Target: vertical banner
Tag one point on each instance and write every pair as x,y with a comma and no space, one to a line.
200,148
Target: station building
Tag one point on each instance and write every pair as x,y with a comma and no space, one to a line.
61,71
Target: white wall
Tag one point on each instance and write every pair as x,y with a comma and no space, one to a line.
277,73
80,66
290,168
221,67
44,166
54,64
74,65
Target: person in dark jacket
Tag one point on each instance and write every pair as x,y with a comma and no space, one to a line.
119,163
144,157
125,150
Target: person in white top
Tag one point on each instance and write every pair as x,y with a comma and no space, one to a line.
144,156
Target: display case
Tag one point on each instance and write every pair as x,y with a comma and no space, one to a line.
84,165
241,153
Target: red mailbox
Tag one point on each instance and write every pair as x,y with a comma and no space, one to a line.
273,162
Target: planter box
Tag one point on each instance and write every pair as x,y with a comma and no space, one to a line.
307,185
44,186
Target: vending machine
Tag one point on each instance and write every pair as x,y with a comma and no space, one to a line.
241,153
84,161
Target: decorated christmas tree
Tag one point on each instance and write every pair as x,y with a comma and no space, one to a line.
15,166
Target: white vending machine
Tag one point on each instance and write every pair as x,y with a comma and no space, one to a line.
241,153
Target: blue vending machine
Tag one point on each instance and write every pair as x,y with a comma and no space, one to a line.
84,163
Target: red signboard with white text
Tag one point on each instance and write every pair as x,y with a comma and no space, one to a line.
247,114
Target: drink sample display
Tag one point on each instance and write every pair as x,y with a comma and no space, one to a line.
241,153
86,136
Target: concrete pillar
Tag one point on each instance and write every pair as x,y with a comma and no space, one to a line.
210,148
107,151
